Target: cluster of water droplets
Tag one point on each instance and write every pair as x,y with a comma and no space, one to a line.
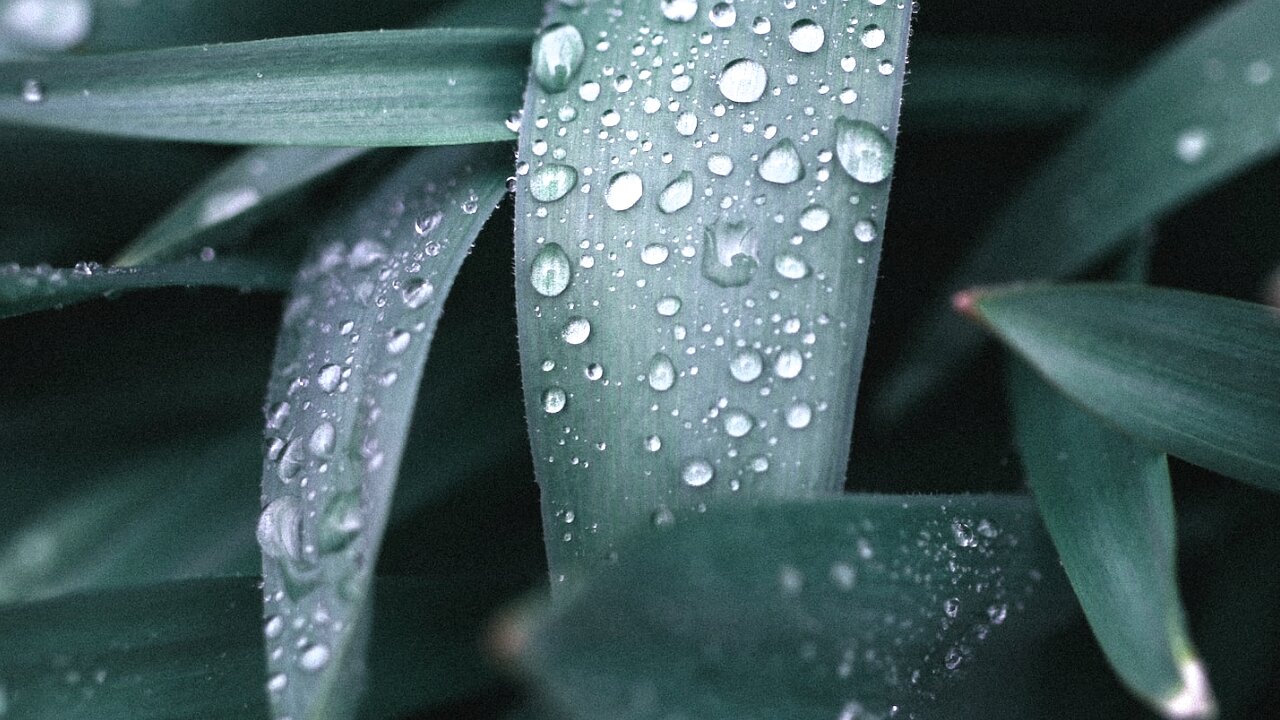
724,178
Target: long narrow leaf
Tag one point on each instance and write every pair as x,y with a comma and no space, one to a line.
853,607
1106,501
410,87
25,290
1202,111
698,232
348,363
1194,375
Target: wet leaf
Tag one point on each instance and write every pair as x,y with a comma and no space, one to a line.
349,358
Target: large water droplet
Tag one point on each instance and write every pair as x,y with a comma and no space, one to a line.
729,253
720,164
743,81
329,377
314,658
553,400
416,292
697,472
677,194
557,55
292,456
679,10
668,306
863,150
662,373
723,15
280,529
873,36
788,364
654,254
550,272
746,366
624,191
798,415
781,164
576,331
322,439
790,266
815,218
737,423
552,182
807,36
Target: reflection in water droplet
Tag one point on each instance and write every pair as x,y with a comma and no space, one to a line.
280,529
662,373
557,55
697,472
863,150
746,366
624,191
550,272
806,36
781,165
553,400
677,194
743,81
576,331
552,182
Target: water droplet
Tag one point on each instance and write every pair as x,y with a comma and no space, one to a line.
662,373
815,218
872,36
953,658
653,443
398,341
552,182
668,306
798,415
340,521
790,266
654,254
781,164
553,400
677,194
697,472
1258,72
624,191
291,459
1191,145
663,517
679,10
593,371
807,36
963,534
865,231
277,682
788,364
280,529
686,123
951,606
314,658
743,81
557,55
416,292
723,15
32,91
550,272
746,366
729,253
738,423
322,439
997,613
367,253
843,575
329,377
277,414
720,164
576,331
273,627
863,150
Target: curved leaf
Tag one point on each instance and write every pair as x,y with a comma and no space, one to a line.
854,607
349,359
1194,375
1107,503
695,264
1202,111
25,290
404,87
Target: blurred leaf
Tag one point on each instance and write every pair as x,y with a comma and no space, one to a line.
696,313
1107,503
230,198
1194,375
410,87
850,607
349,358
1199,113
25,290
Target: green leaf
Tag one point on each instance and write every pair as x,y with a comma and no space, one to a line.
849,607
695,266
25,290
1106,501
408,87
1201,112
349,358
1194,375
241,190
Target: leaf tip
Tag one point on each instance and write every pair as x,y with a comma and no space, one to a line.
1194,700
965,302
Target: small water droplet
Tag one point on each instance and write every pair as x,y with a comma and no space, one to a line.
273,627
686,123
329,377
781,165
277,682
743,81
552,182
576,331
997,613
746,366
953,658
951,606
661,373
738,423
697,472
677,194
815,218
963,534
624,191
679,10
32,91
788,364
806,36
1191,145
663,517
798,415
367,253
720,164
843,575
668,306
557,55
790,266
863,150
553,400
653,443
654,254
865,231
551,271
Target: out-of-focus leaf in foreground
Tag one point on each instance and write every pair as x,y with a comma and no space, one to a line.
1194,375
349,359
1107,503
1202,111
405,87
29,289
854,607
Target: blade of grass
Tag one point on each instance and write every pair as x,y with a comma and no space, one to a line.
694,265
1203,111
1194,375
856,607
409,87
243,188
348,362
1107,503
25,290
